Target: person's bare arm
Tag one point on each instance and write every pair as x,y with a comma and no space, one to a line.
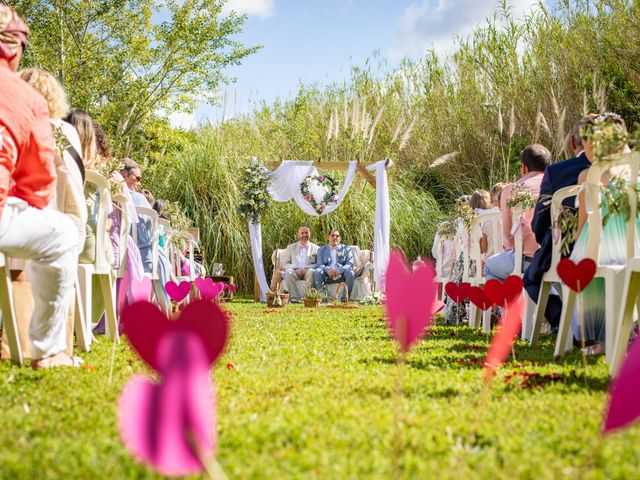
582,210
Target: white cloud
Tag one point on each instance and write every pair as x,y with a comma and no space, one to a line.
182,120
260,8
435,23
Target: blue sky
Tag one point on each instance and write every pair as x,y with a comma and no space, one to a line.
318,40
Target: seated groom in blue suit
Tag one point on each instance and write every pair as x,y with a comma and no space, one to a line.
334,264
556,176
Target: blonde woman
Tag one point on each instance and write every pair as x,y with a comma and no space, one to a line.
69,166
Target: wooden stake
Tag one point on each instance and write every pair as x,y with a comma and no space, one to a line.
211,466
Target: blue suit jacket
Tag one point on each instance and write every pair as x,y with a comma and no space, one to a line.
556,176
344,258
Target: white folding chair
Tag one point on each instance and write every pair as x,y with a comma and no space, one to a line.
9,321
152,215
100,268
551,277
475,255
613,275
528,305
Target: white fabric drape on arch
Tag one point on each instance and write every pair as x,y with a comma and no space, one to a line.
285,185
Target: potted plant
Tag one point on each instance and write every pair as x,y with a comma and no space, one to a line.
312,297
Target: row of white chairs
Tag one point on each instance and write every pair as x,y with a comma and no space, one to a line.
622,282
102,269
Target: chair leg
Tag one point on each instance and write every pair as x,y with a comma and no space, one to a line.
108,294
528,308
625,321
86,294
486,321
83,342
538,312
564,332
613,305
9,321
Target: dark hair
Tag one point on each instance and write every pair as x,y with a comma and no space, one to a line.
535,157
129,166
159,206
102,141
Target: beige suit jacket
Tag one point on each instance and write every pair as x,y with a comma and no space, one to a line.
291,253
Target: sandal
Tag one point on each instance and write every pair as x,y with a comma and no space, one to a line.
60,359
595,349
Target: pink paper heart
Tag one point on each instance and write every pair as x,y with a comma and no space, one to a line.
208,289
177,292
145,326
624,408
411,299
141,289
159,422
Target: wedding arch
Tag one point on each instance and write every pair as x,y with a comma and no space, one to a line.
285,179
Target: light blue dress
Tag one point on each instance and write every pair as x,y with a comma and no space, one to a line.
613,245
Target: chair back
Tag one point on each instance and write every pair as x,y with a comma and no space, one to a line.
361,258
556,209
126,221
476,234
593,202
516,232
153,217
462,241
103,209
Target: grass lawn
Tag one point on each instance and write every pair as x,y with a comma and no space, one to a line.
314,394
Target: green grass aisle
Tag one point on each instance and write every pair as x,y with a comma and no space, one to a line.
310,394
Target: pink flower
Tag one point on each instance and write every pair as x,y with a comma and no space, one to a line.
307,198
321,177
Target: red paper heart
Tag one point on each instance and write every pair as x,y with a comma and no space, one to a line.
457,293
145,326
177,292
503,294
577,277
503,339
479,299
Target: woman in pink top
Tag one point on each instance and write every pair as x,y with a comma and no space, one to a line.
535,158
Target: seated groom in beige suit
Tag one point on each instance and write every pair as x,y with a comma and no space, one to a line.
297,261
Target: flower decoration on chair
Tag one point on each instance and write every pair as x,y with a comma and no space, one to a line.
607,133
465,212
255,196
319,185
521,197
447,229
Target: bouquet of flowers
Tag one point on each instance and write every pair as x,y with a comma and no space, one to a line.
464,211
447,229
255,197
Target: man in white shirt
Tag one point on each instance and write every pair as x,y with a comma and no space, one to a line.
298,260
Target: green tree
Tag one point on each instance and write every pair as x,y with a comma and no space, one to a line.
126,61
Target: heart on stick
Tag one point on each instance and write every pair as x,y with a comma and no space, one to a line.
208,288
171,424
577,277
504,338
457,293
504,293
623,407
177,292
231,288
479,299
410,299
141,289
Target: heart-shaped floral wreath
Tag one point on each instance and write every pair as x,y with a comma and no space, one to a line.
330,186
